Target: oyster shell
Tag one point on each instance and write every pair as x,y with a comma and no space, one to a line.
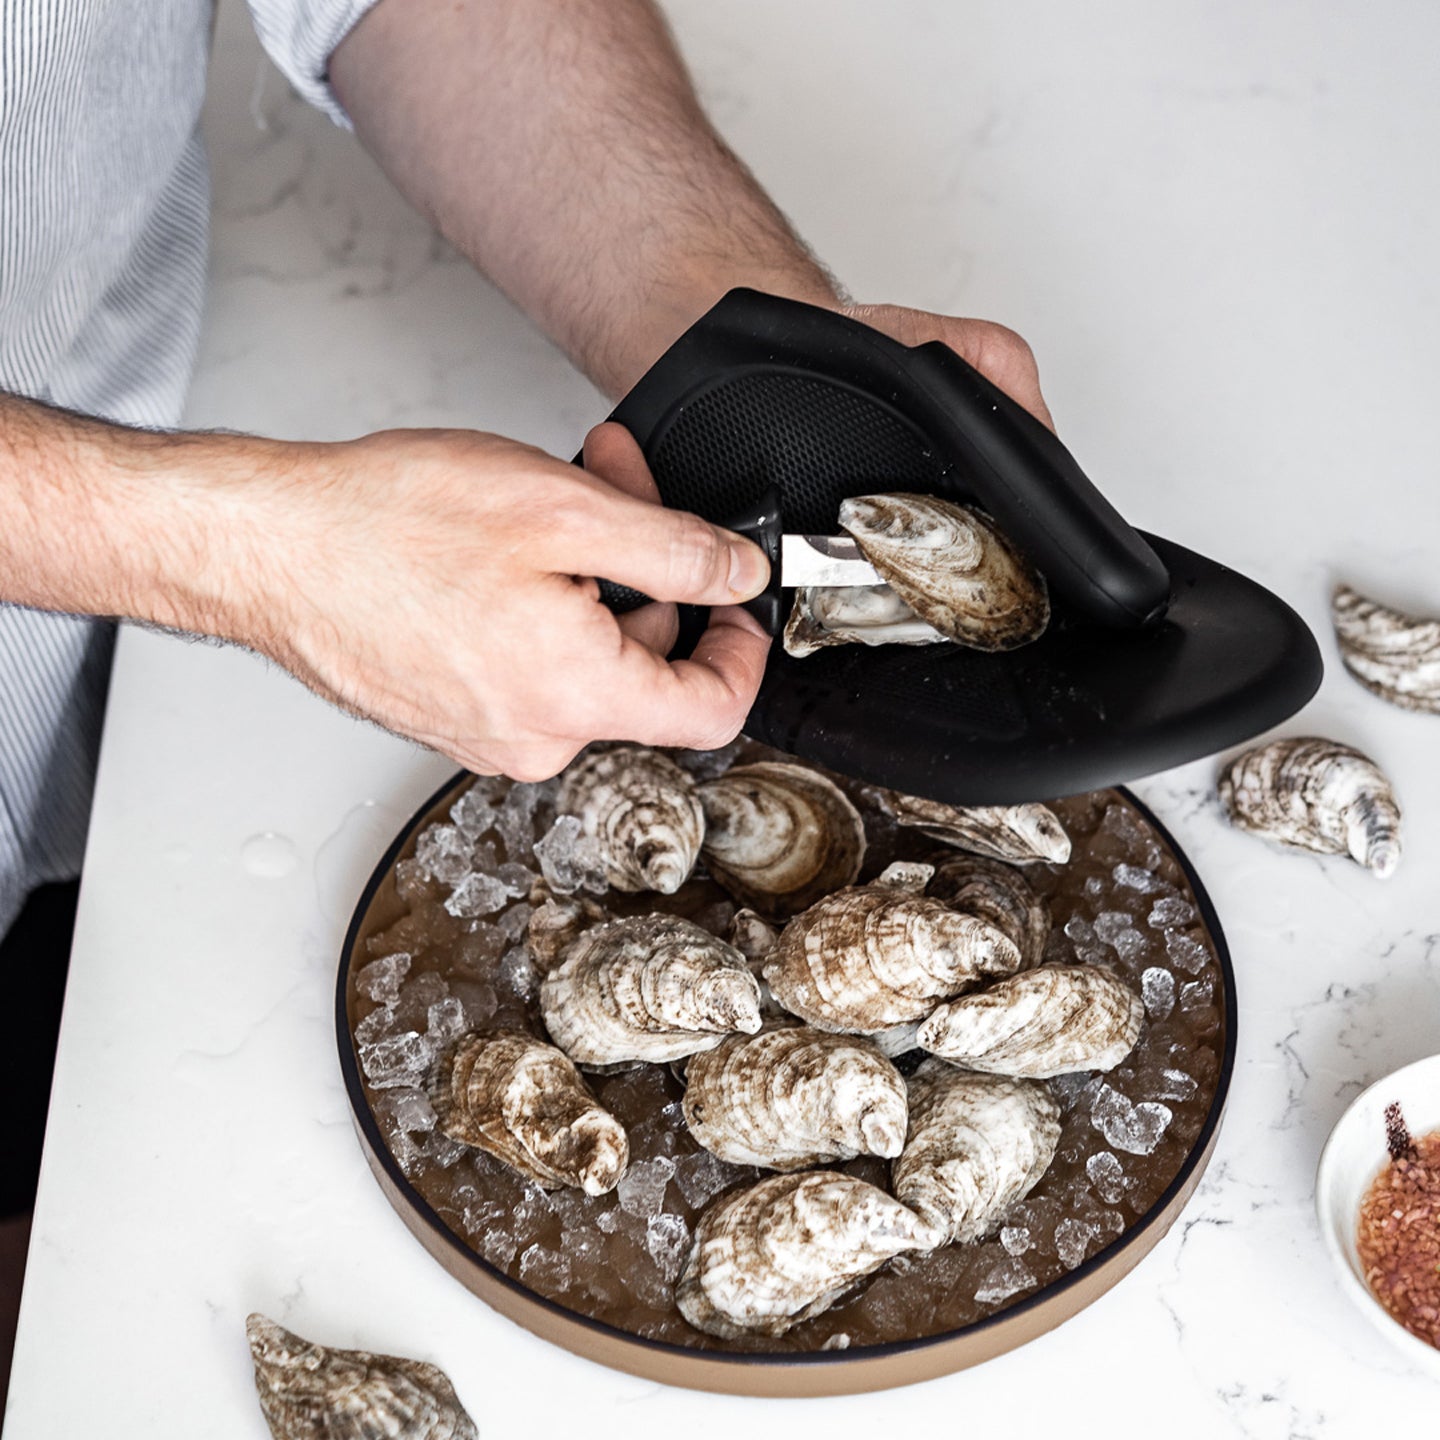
1394,654
852,614
870,957
1019,834
779,836
641,810
653,987
558,922
1039,1023
753,936
952,567
793,1097
523,1101
996,892
311,1392
768,1257
977,1144
1316,794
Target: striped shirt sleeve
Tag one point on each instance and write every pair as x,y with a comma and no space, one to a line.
300,36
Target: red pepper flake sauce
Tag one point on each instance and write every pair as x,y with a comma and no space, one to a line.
1398,1236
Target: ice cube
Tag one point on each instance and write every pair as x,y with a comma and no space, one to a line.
1015,1238
474,812
667,1237
409,1108
515,821
702,1176
1074,1089
477,999
445,1019
1157,989
479,949
1186,951
1094,886
399,1060
412,881
406,1152
375,1026
1134,877
517,974
1008,1278
380,979
1108,1176
417,995
1197,995
1126,1126
569,861
1172,910
515,922
1073,1239
477,894
441,1151
545,1270
1174,1085
1080,931
838,1341
609,1220
641,1190
498,1247
1111,924
444,853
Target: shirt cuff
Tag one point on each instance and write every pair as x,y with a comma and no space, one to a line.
300,36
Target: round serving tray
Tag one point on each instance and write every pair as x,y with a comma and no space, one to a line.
804,1373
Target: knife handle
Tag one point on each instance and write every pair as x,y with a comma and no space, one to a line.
760,522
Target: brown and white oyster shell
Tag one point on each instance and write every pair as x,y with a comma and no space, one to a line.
1388,651
779,836
768,1257
996,892
556,923
653,987
1039,1023
870,957
523,1101
1317,794
1019,834
313,1392
793,1097
952,567
853,615
977,1144
641,811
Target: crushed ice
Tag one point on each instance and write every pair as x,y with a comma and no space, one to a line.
1126,1126
1157,989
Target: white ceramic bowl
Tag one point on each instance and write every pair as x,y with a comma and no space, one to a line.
1353,1156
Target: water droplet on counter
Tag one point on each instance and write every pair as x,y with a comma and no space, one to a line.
269,855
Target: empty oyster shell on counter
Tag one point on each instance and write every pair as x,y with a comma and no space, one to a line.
952,567
870,957
1394,654
641,811
653,987
977,1144
1019,834
853,615
522,1101
779,836
768,1257
1043,1022
314,1392
996,892
793,1097
1317,794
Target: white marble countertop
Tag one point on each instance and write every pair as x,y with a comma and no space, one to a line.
1212,221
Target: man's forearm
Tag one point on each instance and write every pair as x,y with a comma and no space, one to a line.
559,144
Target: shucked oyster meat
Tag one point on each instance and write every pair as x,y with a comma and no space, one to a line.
1317,794
870,957
1039,1023
793,1097
313,1392
767,1258
1394,654
1019,834
853,615
977,1144
654,987
521,1100
779,836
641,811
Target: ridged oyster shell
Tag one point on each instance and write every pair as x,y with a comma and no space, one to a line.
977,1144
793,1097
313,1392
1394,654
556,923
870,957
996,892
1019,834
1317,794
853,614
1039,1023
641,810
779,836
653,987
523,1101
952,567
766,1258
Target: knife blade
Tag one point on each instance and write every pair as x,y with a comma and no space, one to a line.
823,560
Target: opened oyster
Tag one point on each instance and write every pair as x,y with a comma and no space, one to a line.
1019,834
312,1392
641,811
977,1144
1394,654
779,836
999,893
650,988
522,1101
793,1097
1039,1023
771,1256
1316,794
952,567
870,957
853,614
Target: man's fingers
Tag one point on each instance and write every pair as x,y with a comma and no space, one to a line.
655,626
612,453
